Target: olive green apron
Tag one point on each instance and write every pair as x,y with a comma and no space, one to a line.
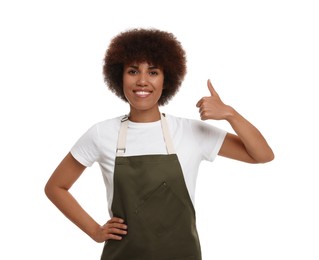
150,194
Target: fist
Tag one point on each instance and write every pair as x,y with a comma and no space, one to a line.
211,107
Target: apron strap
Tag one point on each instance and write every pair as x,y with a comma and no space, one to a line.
167,136
121,142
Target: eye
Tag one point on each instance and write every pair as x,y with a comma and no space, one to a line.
132,71
153,72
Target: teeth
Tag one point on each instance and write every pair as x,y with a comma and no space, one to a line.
142,93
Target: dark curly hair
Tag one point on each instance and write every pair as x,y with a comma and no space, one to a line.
157,47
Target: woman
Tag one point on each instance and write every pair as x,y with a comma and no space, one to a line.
149,160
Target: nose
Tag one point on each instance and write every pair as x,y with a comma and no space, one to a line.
142,80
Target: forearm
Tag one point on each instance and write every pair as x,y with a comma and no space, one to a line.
251,138
67,204
248,145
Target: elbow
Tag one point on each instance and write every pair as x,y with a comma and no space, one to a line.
267,157
267,160
48,190
54,191
270,156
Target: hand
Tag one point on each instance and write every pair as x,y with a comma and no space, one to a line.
212,107
112,229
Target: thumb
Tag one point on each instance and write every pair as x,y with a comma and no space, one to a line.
211,88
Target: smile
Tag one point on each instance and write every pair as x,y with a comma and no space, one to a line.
141,93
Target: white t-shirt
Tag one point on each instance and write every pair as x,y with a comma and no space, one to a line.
193,141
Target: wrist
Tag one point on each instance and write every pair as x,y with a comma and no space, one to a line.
230,114
94,232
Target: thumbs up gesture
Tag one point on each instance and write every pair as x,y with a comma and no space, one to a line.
212,107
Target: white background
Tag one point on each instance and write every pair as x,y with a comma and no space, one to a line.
262,58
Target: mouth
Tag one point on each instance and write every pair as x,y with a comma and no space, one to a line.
142,93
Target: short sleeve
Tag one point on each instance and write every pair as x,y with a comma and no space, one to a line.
208,138
85,150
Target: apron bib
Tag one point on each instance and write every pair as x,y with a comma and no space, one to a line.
151,196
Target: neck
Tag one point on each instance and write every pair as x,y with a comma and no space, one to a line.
144,116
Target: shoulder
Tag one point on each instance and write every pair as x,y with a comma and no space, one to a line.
182,122
107,127
100,135
178,121
108,124
181,127
193,126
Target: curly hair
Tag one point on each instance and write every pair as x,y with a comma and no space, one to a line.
154,46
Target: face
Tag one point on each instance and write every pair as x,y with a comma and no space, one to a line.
143,85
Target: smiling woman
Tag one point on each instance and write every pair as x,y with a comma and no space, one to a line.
149,160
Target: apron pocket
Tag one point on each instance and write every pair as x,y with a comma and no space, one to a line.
160,210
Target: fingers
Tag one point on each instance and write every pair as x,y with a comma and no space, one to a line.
199,102
203,107
204,113
116,220
211,88
115,229
212,92
211,107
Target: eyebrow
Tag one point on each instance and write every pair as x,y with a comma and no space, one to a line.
150,67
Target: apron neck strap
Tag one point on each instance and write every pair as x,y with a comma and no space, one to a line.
167,137
121,143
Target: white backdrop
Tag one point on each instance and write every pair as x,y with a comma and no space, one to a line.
261,56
